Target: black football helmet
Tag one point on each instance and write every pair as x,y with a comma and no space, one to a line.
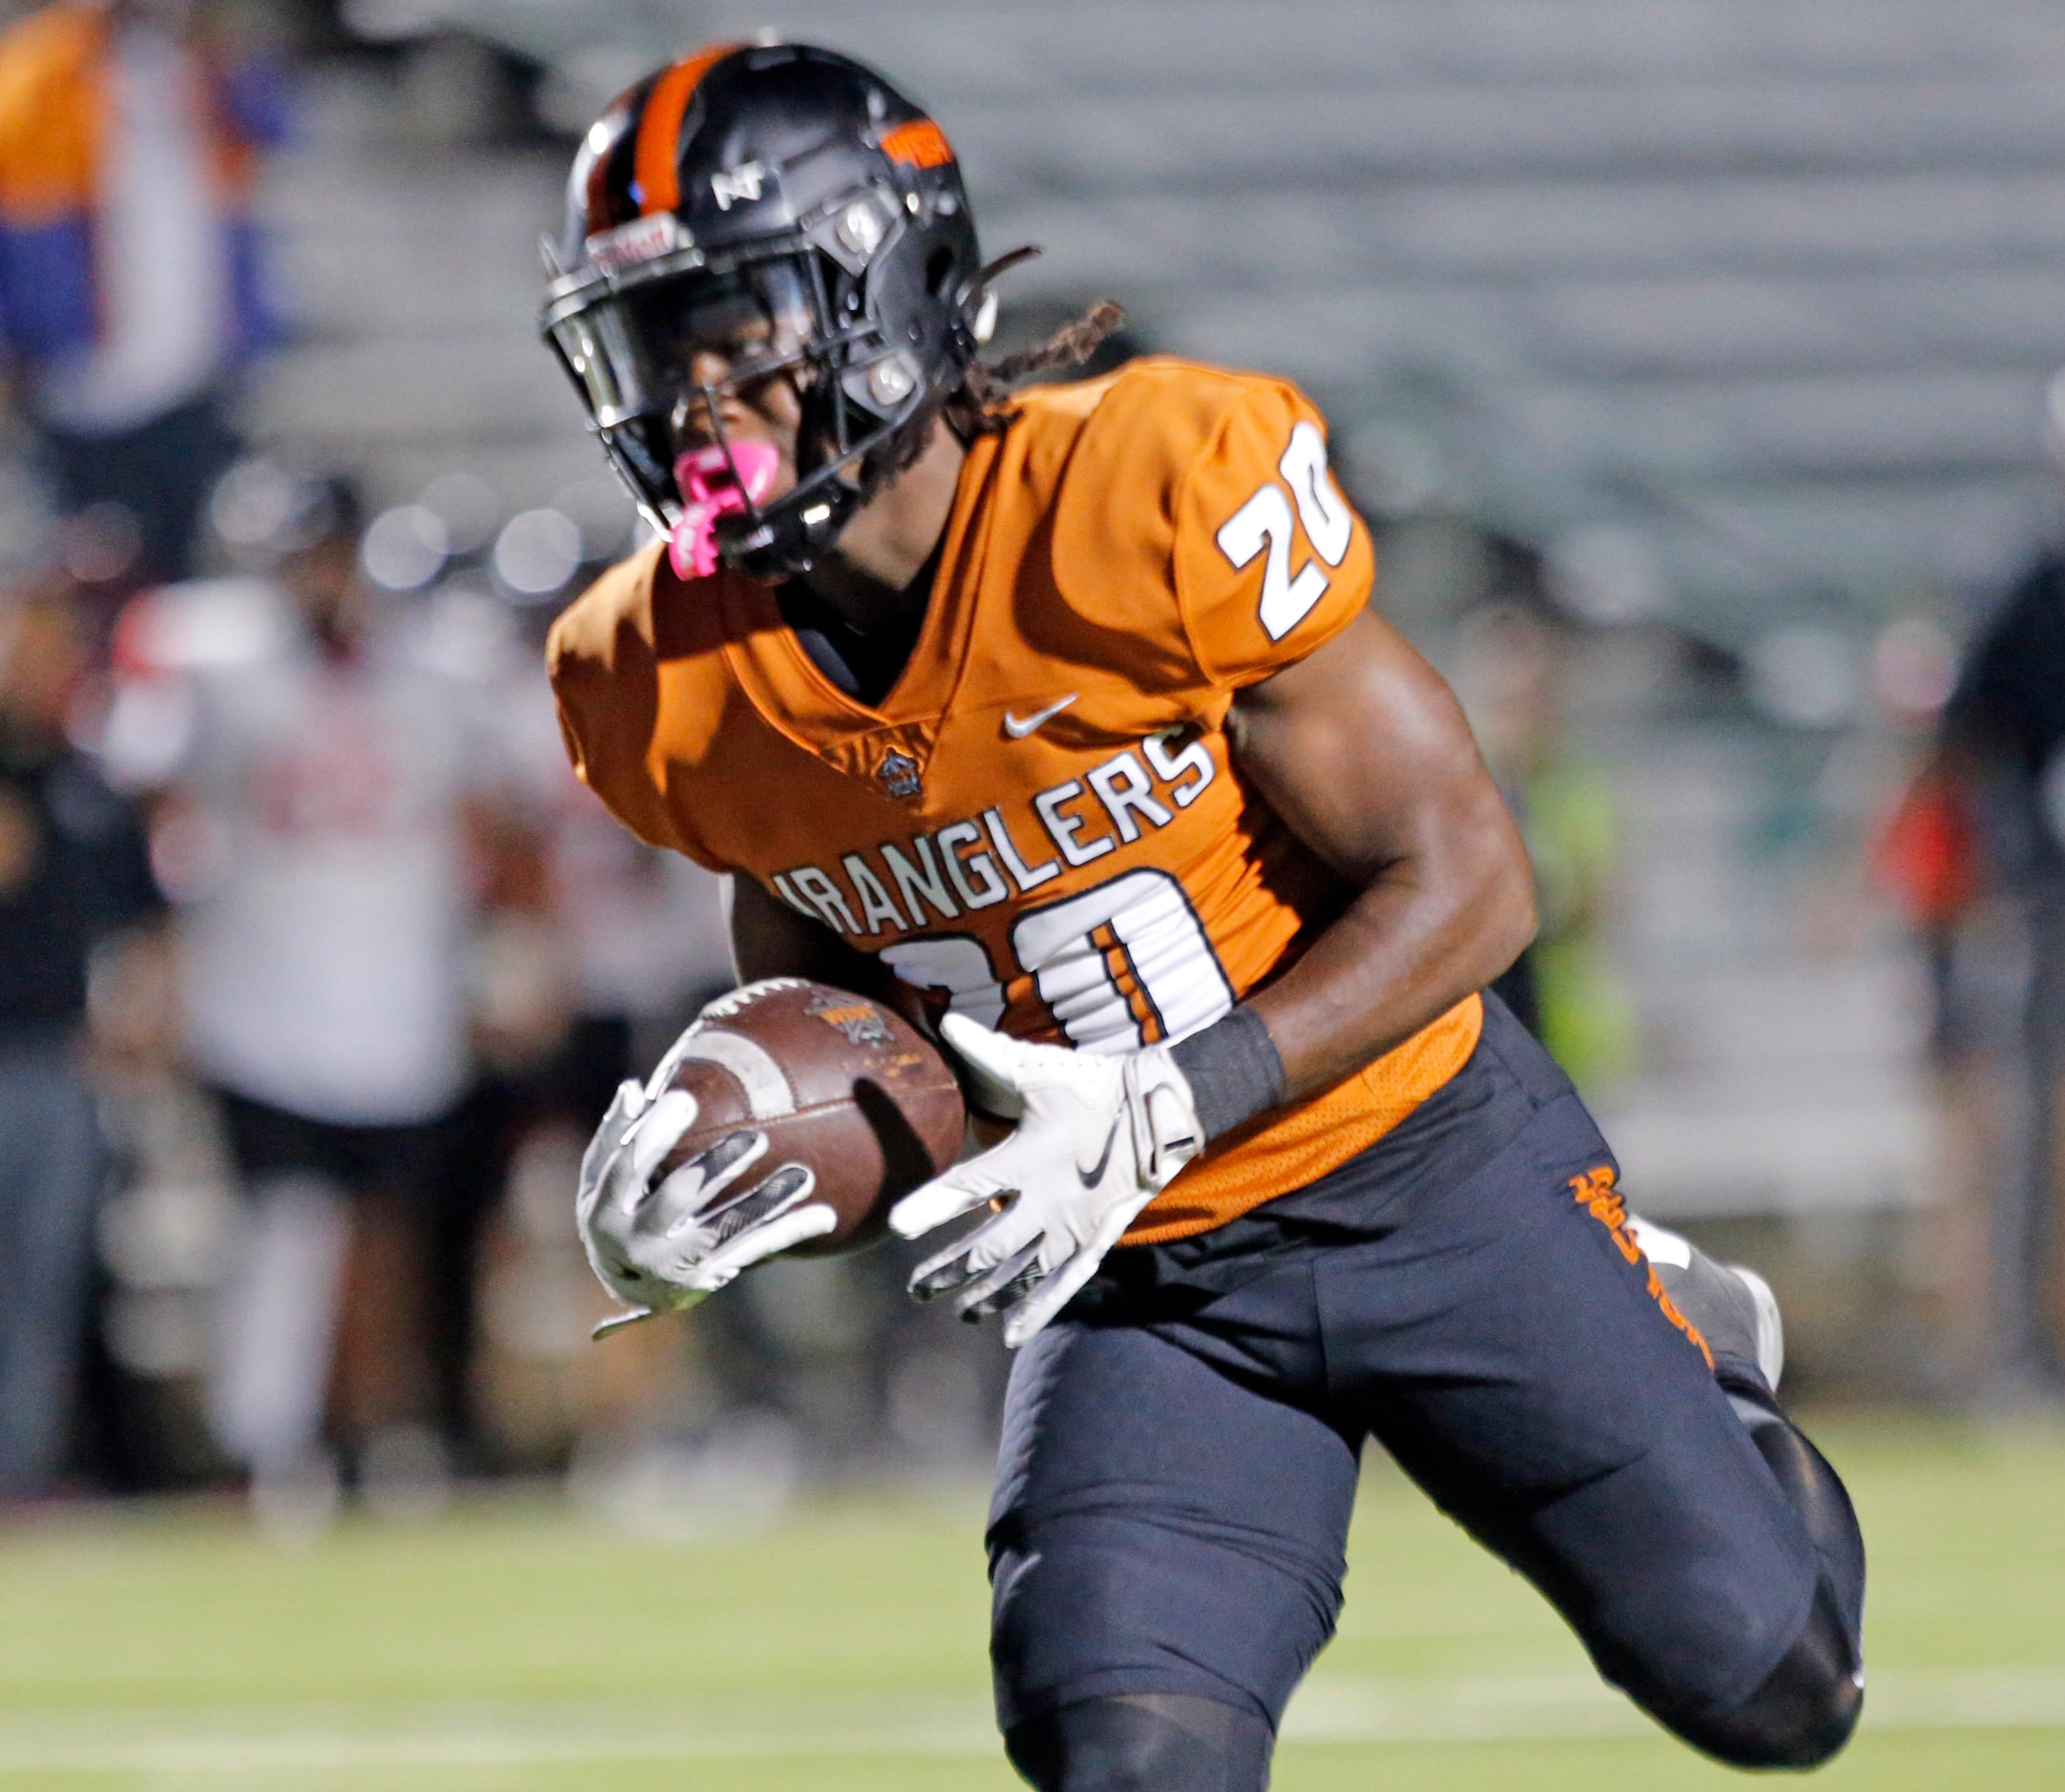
793,185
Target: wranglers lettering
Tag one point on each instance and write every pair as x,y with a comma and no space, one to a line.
907,886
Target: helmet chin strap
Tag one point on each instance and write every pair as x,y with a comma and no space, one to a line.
713,482
792,534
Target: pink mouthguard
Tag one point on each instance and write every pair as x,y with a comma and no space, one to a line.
709,490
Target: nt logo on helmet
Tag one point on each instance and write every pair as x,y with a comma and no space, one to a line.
729,186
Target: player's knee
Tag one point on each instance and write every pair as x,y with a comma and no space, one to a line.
1805,1711
1816,1493
1144,1742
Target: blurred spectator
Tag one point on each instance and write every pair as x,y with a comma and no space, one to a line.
73,870
129,285
1927,855
324,761
1982,828
647,937
1514,672
643,944
1975,850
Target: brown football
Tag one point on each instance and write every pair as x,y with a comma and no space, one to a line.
837,1082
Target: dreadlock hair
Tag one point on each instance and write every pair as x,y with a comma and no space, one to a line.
980,404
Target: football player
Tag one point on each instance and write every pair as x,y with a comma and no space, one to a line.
1068,709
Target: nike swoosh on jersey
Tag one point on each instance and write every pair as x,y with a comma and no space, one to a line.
1018,727
1091,1178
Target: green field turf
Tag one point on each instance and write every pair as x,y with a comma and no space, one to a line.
516,1646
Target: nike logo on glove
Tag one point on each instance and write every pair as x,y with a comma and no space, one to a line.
1090,1179
1018,727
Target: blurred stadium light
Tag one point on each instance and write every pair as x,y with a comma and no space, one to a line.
404,548
537,553
468,506
1806,675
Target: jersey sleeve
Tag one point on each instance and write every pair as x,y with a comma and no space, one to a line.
605,677
1270,560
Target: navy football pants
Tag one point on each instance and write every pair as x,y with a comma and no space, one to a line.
1177,1467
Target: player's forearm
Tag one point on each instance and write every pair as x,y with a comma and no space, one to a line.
1364,754
768,939
1426,932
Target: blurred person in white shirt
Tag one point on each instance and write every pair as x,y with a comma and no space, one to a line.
644,932
322,763
637,944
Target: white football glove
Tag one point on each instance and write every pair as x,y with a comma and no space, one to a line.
1098,1139
661,1249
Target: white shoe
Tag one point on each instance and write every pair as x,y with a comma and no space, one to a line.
1732,1306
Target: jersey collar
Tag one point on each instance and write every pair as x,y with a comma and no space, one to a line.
779,677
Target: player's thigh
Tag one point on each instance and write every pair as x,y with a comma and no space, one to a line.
1159,1527
1508,1347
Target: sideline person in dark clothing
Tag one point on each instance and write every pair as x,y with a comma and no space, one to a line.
73,868
1996,782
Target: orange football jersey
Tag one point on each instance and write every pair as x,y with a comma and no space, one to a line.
1041,818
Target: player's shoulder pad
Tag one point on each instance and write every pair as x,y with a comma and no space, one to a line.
611,621
603,656
636,615
1212,486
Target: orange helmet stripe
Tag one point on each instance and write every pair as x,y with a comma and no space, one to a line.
919,144
656,161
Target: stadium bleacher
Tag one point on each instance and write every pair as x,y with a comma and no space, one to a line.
1771,286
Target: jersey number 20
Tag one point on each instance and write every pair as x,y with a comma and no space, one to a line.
1122,965
1264,522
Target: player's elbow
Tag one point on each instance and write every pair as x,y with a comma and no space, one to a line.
1503,905
1518,921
